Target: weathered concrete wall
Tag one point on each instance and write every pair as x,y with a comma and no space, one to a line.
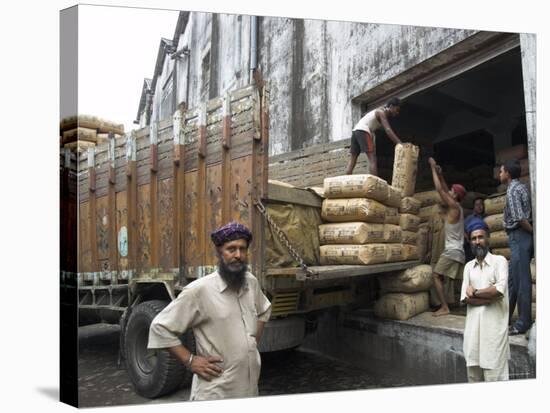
315,68
421,351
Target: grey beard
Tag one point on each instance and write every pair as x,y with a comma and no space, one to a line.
479,251
233,278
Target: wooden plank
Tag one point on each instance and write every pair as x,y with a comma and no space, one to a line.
327,272
311,150
201,190
213,209
226,162
179,205
121,229
166,227
143,221
102,231
154,208
84,238
298,196
191,255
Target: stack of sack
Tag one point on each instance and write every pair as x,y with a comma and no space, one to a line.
494,211
404,294
83,131
533,293
363,228
363,211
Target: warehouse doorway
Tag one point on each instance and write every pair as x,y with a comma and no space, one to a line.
463,122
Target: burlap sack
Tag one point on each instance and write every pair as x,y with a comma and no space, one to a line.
394,252
404,168
392,216
356,186
411,280
79,134
409,237
409,222
428,198
400,306
495,222
410,252
353,209
495,205
498,239
392,233
409,205
505,252
351,233
427,212
353,254
394,197
533,271
300,224
533,293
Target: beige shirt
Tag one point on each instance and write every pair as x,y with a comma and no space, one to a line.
224,323
486,330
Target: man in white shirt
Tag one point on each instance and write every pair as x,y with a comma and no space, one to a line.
363,137
227,311
485,291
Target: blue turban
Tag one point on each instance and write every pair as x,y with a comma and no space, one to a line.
230,232
475,224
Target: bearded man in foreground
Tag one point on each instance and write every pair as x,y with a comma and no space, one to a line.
227,311
485,291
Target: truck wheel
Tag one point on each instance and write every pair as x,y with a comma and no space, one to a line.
153,372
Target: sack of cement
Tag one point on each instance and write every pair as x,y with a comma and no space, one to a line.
498,239
392,216
392,233
356,186
428,198
409,237
495,205
513,152
299,223
79,134
533,270
405,165
394,197
409,222
353,254
427,212
353,209
394,252
409,205
411,280
495,222
351,233
410,252
422,242
505,252
400,306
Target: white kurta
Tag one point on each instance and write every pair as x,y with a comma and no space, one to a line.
486,330
224,323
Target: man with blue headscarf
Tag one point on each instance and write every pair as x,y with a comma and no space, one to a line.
227,311
485,291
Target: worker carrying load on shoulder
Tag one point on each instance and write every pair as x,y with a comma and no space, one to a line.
363,137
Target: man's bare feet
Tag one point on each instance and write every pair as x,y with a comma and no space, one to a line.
441,311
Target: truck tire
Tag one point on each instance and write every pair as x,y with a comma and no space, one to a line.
154,373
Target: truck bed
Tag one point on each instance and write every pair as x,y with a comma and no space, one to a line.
329,272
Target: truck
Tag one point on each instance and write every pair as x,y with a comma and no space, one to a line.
137,211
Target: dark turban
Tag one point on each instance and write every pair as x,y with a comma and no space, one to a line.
230,232
475,224
460,191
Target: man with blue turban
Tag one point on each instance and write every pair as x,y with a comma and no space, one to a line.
227,311
485,291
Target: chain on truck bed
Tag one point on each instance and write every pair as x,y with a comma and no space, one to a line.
284,239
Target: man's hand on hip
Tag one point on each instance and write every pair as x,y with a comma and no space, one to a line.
206,367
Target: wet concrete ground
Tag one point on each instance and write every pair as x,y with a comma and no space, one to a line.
102,382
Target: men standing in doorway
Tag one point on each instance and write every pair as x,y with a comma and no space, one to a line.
485,291
363,137
518,226
451,261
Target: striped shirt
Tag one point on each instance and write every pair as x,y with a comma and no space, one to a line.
518,205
